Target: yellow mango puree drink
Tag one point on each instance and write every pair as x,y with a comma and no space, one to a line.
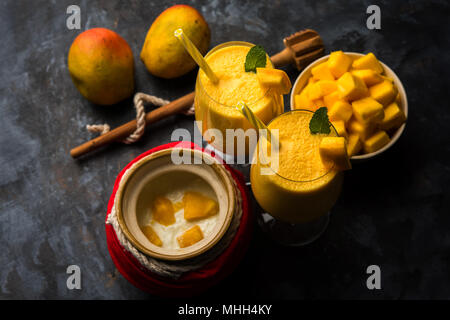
215,103
303,188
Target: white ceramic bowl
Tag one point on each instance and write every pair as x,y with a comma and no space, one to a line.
306,73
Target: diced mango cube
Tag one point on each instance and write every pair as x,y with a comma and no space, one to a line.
317,103
398,99
368,110
394,117
321,72
339,125
363,130
190,237
369,76
312,80
377,141
303,102
198,206
351,87
163,211
331,98
275,79
321,88
339,63
152,236
384,92
340,110
354,145
369,61
333,151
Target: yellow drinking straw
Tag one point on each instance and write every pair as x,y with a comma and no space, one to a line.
252,118
195,54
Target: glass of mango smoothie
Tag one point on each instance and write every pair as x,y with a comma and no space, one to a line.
215,102
301,190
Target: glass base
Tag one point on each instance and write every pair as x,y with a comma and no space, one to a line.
289,234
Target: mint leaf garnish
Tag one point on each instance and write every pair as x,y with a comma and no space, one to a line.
319,122
256,58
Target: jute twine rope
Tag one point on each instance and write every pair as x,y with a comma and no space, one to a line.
174,269
138,100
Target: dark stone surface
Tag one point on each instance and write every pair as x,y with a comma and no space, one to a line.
394,211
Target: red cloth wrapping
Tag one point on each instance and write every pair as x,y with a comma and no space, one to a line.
192,282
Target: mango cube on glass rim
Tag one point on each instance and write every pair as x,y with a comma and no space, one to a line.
363,130
384,92
162,211
190,237
333,151
394,117
369,61
369,76
151,235
275,79
351,87
198,206
339,126
367,110
354,145
322,72
377,141
340,110
339,63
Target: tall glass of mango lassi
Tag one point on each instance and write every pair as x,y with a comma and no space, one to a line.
301,190
215,102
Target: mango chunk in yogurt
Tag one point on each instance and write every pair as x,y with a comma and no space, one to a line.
163,211
190,237
198,206
152,236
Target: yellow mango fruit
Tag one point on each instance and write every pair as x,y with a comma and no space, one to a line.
340,110
354,145
384,92
163,55
163,211
369,76
275,79
321,72
339,126
152,236
377,141
338,63
369,61
101,66
190,237
368,110
351,87
333,151
331,98
394,117
198,206
363,130
321,88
